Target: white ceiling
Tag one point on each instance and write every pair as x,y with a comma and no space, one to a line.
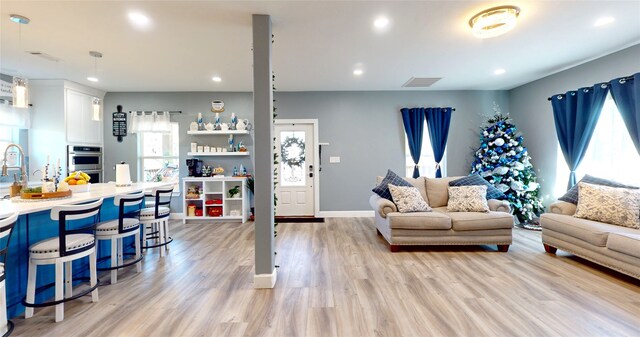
317,44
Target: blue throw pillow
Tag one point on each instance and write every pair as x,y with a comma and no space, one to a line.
572,194
476,179
391,178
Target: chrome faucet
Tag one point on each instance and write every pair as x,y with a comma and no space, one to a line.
23,168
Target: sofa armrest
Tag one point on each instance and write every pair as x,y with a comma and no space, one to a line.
563,207
382,205
499,205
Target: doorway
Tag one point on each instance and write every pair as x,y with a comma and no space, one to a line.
297,179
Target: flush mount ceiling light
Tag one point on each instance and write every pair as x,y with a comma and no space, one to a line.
358,72
96,55
499,71
494,21
216,79
19,87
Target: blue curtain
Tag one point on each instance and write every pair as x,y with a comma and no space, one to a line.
626,94
413,120
438,121
576,114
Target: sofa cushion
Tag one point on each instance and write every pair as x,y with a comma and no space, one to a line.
625,243
408,199
618,206
467,199
476,179
572,194
473,221
391,178
438,190
593,232
420,220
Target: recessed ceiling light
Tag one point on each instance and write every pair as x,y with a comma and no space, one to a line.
358,72
499,71
604,21
216,79
139,19
494,21
381,22
92,79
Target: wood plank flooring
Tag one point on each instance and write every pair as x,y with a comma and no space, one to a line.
338,278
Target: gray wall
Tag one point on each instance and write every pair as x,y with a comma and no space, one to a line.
533,114
190,103
365,130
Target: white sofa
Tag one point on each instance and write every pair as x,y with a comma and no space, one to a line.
440,227
612,246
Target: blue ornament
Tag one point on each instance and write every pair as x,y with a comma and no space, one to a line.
483,145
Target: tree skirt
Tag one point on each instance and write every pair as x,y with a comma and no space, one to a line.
533,225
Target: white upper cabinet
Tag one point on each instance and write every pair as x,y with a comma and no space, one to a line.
81,128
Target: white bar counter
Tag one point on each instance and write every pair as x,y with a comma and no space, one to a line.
106,190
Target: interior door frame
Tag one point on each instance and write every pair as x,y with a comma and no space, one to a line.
316,158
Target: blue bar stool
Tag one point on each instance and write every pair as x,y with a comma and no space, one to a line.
115,230
6,226
155,220
71,244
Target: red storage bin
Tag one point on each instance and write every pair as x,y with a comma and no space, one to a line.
214,211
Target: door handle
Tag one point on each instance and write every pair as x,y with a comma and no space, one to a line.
310,171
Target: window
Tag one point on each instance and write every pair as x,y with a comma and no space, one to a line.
427,163
10,135
159,156
610,155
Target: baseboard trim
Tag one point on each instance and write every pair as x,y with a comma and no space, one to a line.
176,216
345,214
265,281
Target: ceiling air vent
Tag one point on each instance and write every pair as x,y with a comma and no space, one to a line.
421,82
44,56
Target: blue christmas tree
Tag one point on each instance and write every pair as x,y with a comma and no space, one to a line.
503,161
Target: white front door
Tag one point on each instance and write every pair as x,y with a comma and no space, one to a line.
295,146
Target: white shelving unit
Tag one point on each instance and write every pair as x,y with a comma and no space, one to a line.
217,154
217,188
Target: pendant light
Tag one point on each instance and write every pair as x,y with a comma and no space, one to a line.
19,87
96,109
96,55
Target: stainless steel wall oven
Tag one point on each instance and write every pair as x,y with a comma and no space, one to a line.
87,159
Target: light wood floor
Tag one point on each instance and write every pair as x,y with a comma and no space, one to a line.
339,279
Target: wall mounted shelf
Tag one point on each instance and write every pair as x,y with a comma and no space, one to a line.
217,154
218,132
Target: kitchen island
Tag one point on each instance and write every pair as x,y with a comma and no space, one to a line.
35,224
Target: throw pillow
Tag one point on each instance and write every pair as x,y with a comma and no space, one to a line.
475,180
408,199
572,194
614,205
467,199
391,178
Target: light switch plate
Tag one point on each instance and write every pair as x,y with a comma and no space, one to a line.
334,160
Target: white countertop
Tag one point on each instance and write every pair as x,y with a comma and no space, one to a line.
97,191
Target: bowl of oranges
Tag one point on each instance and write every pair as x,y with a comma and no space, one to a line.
78,182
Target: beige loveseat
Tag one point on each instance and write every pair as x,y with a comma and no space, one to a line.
440,227
612,246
